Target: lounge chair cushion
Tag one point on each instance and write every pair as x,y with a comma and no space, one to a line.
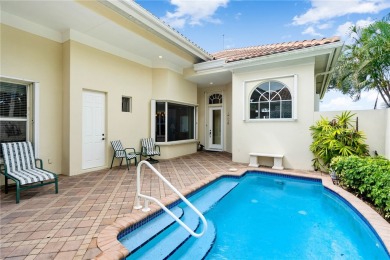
20,161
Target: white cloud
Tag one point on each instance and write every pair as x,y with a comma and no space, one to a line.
311,31
193,12
324,26
344,30
325,10
335,101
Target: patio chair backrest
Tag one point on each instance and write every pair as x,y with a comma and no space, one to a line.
18,156
118,148
148,143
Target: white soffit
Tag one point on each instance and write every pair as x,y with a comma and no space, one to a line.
63,20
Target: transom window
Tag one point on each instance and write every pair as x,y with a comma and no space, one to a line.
271,100
215,99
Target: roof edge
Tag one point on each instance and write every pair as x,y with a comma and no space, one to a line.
134,12
310,51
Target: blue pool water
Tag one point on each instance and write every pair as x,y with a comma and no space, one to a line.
267,216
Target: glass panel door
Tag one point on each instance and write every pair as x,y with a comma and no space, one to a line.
215,128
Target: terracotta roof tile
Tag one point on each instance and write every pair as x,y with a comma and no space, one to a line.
263,50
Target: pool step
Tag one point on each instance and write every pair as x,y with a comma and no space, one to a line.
168,241
143,234
197,248
207,201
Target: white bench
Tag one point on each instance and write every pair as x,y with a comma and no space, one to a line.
278,160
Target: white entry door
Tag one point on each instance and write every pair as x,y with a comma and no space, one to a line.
93,130
215,129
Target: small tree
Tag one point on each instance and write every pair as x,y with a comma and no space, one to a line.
336,138
365,64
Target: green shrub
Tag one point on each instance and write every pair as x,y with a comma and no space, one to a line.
368,176
335,138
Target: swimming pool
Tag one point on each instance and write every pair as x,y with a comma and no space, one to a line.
260,216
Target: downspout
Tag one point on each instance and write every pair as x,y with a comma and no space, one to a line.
323,89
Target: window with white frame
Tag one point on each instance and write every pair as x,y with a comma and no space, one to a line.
13,113
271,100
173,121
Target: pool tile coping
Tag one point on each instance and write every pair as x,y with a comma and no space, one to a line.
112,249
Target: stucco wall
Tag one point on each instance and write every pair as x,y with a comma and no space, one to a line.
373,123
33,58
288,137
91,69
171,86
64,71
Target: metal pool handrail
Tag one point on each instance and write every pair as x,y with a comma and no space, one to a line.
147,198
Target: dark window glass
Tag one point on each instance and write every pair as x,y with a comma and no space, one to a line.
13,113
126,104
180,120
270,100
215,99
160,121
13,100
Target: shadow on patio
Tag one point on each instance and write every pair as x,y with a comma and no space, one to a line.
46,225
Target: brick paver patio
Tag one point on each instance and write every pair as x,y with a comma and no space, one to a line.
45,225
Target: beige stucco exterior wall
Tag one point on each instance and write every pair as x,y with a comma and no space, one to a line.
203,94
171,86
33,58
64,71
94,70
289,137
373,123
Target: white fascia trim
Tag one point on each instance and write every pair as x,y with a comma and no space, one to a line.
214,64
27,26
134,12
101,45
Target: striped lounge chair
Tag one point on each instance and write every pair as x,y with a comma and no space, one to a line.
149,149
120,152
20,165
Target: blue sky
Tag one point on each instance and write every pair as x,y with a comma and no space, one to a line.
215,25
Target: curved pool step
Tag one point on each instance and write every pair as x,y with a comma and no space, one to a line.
197,248
167,241
145,233
207,201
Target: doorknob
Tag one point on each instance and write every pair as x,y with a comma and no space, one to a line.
210,133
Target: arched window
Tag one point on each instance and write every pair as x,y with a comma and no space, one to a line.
215,99
270,99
